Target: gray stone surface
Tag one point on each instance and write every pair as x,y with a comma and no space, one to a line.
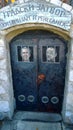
20,122
37,116
34,125
67,127
28,125
6,90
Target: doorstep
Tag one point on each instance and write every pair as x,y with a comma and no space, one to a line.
30,125
32,121
37,116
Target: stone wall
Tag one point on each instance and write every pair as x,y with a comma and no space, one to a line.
68,92
6,91
6,88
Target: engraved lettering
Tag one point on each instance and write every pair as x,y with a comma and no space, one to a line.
35,13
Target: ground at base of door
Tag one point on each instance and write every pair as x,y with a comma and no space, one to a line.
30,125
20,122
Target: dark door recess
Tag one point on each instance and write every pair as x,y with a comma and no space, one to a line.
38,60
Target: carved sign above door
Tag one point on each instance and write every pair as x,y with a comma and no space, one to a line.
35,13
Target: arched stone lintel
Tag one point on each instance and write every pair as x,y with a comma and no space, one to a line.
10,33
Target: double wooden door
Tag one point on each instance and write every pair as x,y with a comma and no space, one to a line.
38,69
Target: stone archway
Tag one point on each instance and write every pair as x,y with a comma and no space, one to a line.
38,41
6,81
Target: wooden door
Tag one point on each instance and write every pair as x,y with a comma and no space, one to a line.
38,60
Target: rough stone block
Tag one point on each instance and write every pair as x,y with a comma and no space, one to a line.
72,15
5,85
3,64
71,55
2,43
4,115
69,117
70,87
4,106
21,1
71,64
67,7
3,75
71,32
69,102
56,2
71,75
4,97
2,53
48,0
72,48
2,90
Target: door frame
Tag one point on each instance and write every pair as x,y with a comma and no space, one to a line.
8,35
39,30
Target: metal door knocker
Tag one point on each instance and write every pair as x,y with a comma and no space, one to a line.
41,77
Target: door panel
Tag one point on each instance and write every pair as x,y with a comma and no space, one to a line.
52,64
39,78
24,76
